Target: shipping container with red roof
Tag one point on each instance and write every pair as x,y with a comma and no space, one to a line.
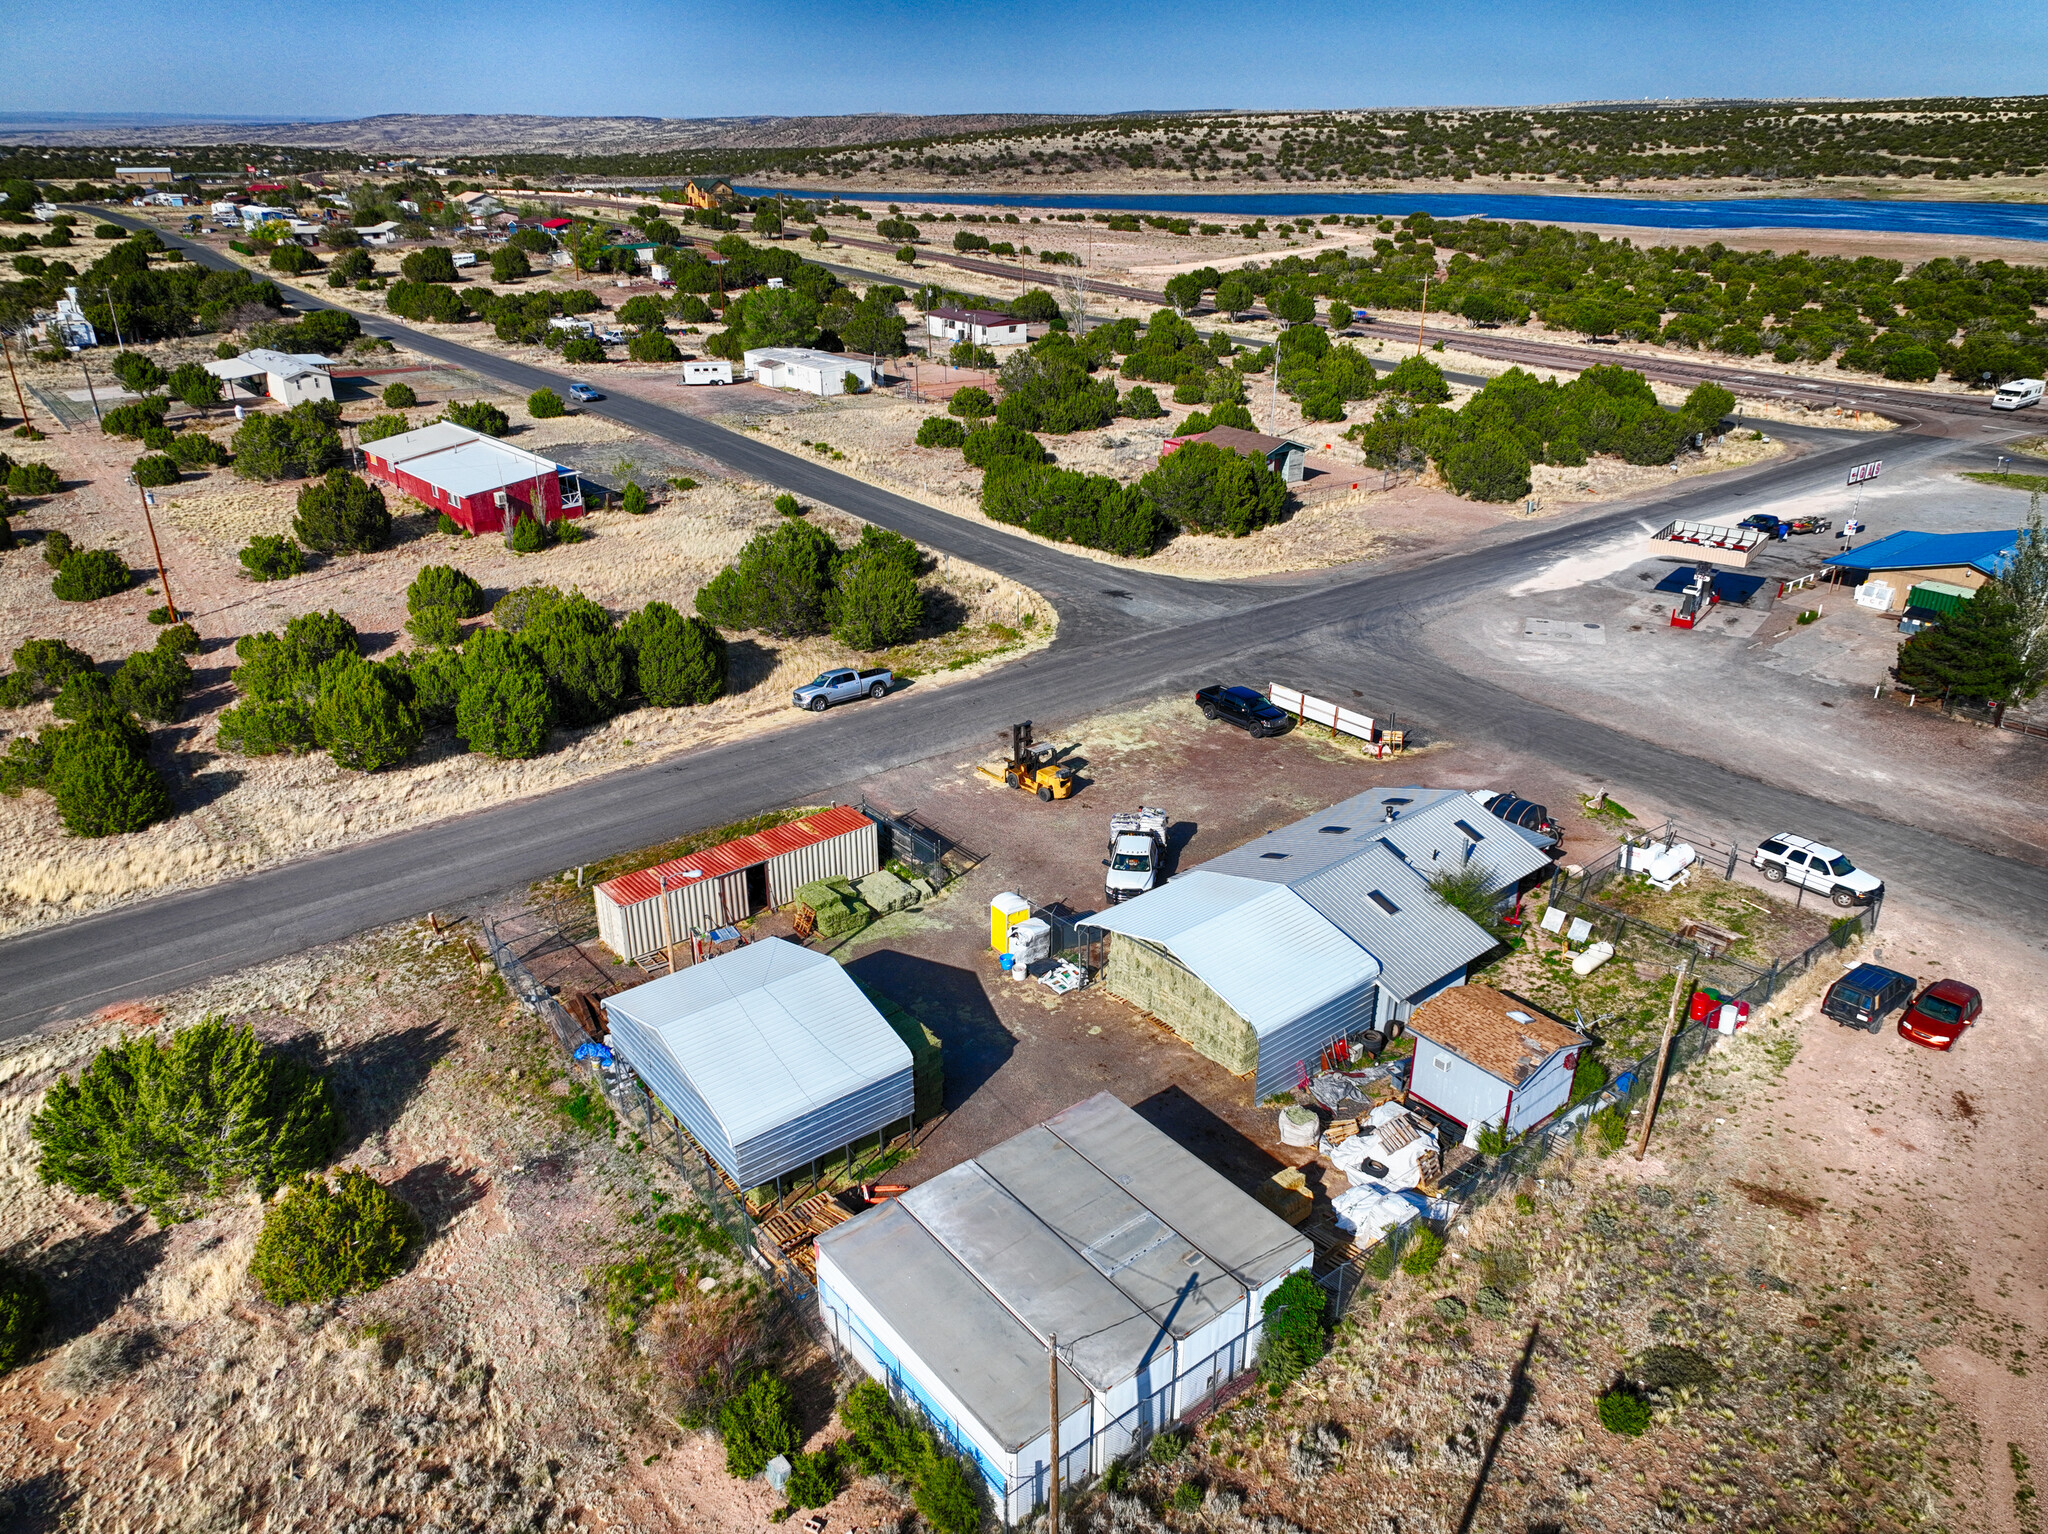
643,912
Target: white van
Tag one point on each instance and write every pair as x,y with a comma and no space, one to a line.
707,372
2021,391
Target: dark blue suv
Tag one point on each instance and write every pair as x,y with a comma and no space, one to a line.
1861,998
1243,707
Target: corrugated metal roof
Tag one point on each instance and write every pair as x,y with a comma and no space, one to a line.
952,1265
1198,1201
1267,952
728,857
1160,1269
460,461
1037,1276
962,1335
1339,859
765,1035
1988,552
1417,943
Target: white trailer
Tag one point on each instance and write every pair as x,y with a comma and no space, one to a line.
2018,392
707,371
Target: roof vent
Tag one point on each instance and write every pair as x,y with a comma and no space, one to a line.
1378,898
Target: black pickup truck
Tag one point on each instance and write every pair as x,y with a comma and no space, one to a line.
1243,707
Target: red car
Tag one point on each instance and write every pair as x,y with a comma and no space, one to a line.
1937,1019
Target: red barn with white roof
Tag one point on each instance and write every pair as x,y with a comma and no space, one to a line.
479,482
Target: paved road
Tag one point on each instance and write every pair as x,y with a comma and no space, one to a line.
1124,636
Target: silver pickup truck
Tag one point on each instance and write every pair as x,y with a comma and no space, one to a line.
830,687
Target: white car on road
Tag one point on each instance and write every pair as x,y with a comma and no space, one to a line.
1796,860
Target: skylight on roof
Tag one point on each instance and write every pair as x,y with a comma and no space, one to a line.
1272,854
1397,801
1520,1017
1333,830
1476,835
1379,899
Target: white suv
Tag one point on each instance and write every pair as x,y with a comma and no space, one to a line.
1817,868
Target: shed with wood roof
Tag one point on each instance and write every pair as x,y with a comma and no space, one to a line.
1485,1057
1285,458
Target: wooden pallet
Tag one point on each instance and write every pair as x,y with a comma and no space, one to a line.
791,1232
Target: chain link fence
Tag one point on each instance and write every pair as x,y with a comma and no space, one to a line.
1484,1178
628,1098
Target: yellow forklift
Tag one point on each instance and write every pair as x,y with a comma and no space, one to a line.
1031,767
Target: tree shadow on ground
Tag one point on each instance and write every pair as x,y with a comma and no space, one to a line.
438,1191
950,1001
38,1504
748,663
943,612
90,1275
1191,1125
374,1081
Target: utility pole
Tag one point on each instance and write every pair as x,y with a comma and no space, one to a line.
1681,991
162,575
89,391
19,398
1052,1386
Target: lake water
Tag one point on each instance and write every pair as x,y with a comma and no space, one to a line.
1999,220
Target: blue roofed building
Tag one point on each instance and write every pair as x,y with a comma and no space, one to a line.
1885,572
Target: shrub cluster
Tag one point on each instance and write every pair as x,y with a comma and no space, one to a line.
167,1125
438,599
23,1304
757,1424
1485,447
154,470
545,405
1210,489
135,417
312,687
33,479
196,450
882,1440
1295,1336
793,580
479,416
269,557
292,444
426,301
86,575
323,1240
399,396
342,513
1092,510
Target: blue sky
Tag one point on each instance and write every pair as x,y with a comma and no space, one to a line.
349,58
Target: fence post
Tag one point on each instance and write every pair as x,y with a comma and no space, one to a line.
1681,988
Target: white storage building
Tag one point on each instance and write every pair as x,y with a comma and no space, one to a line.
1364,942
1274,982
1149,1267
813,372
728,883
769,1055
1483,1057
982,327
288,377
